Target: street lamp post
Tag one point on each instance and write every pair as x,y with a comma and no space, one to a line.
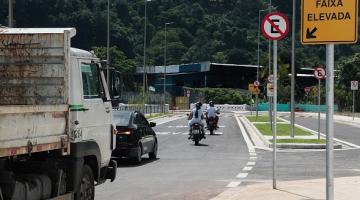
144,60
258,63
165,51
108,45
10,20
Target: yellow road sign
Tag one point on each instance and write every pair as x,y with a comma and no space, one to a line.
253,89
270,89
329,21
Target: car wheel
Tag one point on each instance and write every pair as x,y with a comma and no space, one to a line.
153,154
137,159
86,189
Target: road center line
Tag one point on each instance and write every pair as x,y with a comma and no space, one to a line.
242,175
233,184
247,168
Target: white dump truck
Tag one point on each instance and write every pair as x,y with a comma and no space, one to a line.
56,134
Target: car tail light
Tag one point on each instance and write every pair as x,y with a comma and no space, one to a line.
126,131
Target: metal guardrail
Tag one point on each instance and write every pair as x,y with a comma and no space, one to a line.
227,107
144,108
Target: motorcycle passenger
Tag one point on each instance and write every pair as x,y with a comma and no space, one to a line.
196,116
212,111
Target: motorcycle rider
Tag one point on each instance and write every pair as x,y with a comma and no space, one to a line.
196,116
212,111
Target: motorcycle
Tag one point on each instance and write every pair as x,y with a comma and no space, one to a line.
211,125
196,133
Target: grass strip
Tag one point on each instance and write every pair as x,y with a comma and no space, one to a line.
299,140
282,130
261,118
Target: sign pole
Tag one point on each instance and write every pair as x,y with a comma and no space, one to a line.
353,107
329,121
275,111
319,103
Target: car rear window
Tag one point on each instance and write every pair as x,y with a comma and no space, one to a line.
121,118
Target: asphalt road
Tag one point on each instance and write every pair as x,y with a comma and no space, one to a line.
183,170
188,172
300,164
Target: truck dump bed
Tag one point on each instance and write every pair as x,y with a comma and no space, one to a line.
34,89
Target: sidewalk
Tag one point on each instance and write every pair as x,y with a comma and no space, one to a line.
346,188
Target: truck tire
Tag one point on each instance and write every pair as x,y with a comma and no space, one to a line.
86,189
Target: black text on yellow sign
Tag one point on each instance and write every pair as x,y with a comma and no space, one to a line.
329,21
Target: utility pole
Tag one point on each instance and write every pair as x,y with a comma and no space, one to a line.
292,100
108,45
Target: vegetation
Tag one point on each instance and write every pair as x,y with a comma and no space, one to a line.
282,130
260,118
222,31
301,141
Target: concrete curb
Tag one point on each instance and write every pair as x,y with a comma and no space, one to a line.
304,146
253,132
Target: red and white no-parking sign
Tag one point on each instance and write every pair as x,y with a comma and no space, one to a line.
275,26
319,73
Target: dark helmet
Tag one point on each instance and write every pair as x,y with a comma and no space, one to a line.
211,103
198,104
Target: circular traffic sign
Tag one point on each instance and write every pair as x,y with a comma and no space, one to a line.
319,73
275,26
271,78
256,83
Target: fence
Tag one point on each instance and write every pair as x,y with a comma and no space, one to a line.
225,107
298,107
144,108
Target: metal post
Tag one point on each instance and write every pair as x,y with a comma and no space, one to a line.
292,100
275,112
108,45
269,66
319,103
329,121
144,59
353,107
258,64
165,68
11,23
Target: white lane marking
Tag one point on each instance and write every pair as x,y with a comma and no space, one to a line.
162,133
233,184
253,158
184,133
242,175
247,168
246,137
252,154
250,163
169,120
216,133
222,126
315,132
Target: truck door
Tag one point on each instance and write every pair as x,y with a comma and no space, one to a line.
96,119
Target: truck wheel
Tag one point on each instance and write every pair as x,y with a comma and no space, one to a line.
86,189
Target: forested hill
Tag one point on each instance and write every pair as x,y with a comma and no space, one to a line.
215,30
203,30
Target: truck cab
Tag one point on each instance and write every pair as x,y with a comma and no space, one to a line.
56,133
